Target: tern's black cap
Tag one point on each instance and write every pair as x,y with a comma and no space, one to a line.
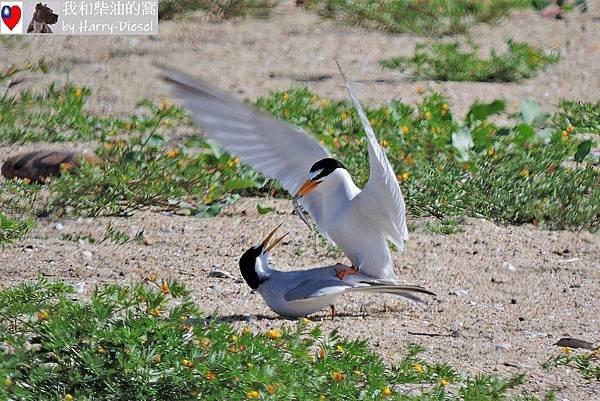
326,166
248,266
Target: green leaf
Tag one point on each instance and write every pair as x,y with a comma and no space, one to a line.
215,148
524,133
481,111
236,184
503,131
264,209
532,113
583,149
207,210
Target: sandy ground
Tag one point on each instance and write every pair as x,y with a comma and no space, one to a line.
509,292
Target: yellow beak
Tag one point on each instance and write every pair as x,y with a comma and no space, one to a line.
308,187
265,242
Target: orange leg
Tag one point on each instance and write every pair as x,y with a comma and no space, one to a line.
343,273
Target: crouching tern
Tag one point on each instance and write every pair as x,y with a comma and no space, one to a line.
359,221
303,292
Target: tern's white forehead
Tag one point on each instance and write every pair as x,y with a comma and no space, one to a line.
313,174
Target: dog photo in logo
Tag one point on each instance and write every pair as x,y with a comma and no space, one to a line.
42,18
11,21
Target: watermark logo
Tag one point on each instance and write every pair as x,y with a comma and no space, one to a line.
12,17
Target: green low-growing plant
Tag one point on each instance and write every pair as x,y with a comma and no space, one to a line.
430,18
111,234
515,174
583,116
55,115
12,229
536,171
587,363
149,341
446,62
444,226
217,9
141,170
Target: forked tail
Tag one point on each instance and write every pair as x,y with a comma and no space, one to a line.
405,291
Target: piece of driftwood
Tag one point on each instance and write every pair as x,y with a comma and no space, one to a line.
40,165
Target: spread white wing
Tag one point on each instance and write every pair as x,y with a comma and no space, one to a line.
274,148
381,198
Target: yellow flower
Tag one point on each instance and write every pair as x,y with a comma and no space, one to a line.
427,115
246,330
567,350
129,127
273,334
570,129
330,130
445,107
164,287
234,338
272,388
233,162
286,96
172,153
405,129
491,151
156,358
152,277
314,99
324,102
210,376
26,181
253,394
154,311
444,382
187,363
68,397
403,177
306,320
387,391
524,173
420,89
101,349
322,397
386,111
373,121
78,92
408,159
344,115
42,314
418,368
384,143
204,342
565,134
234,350
65,166
164,103
340,348
250,364
8,382
338,376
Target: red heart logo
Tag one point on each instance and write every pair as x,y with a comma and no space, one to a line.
15,17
